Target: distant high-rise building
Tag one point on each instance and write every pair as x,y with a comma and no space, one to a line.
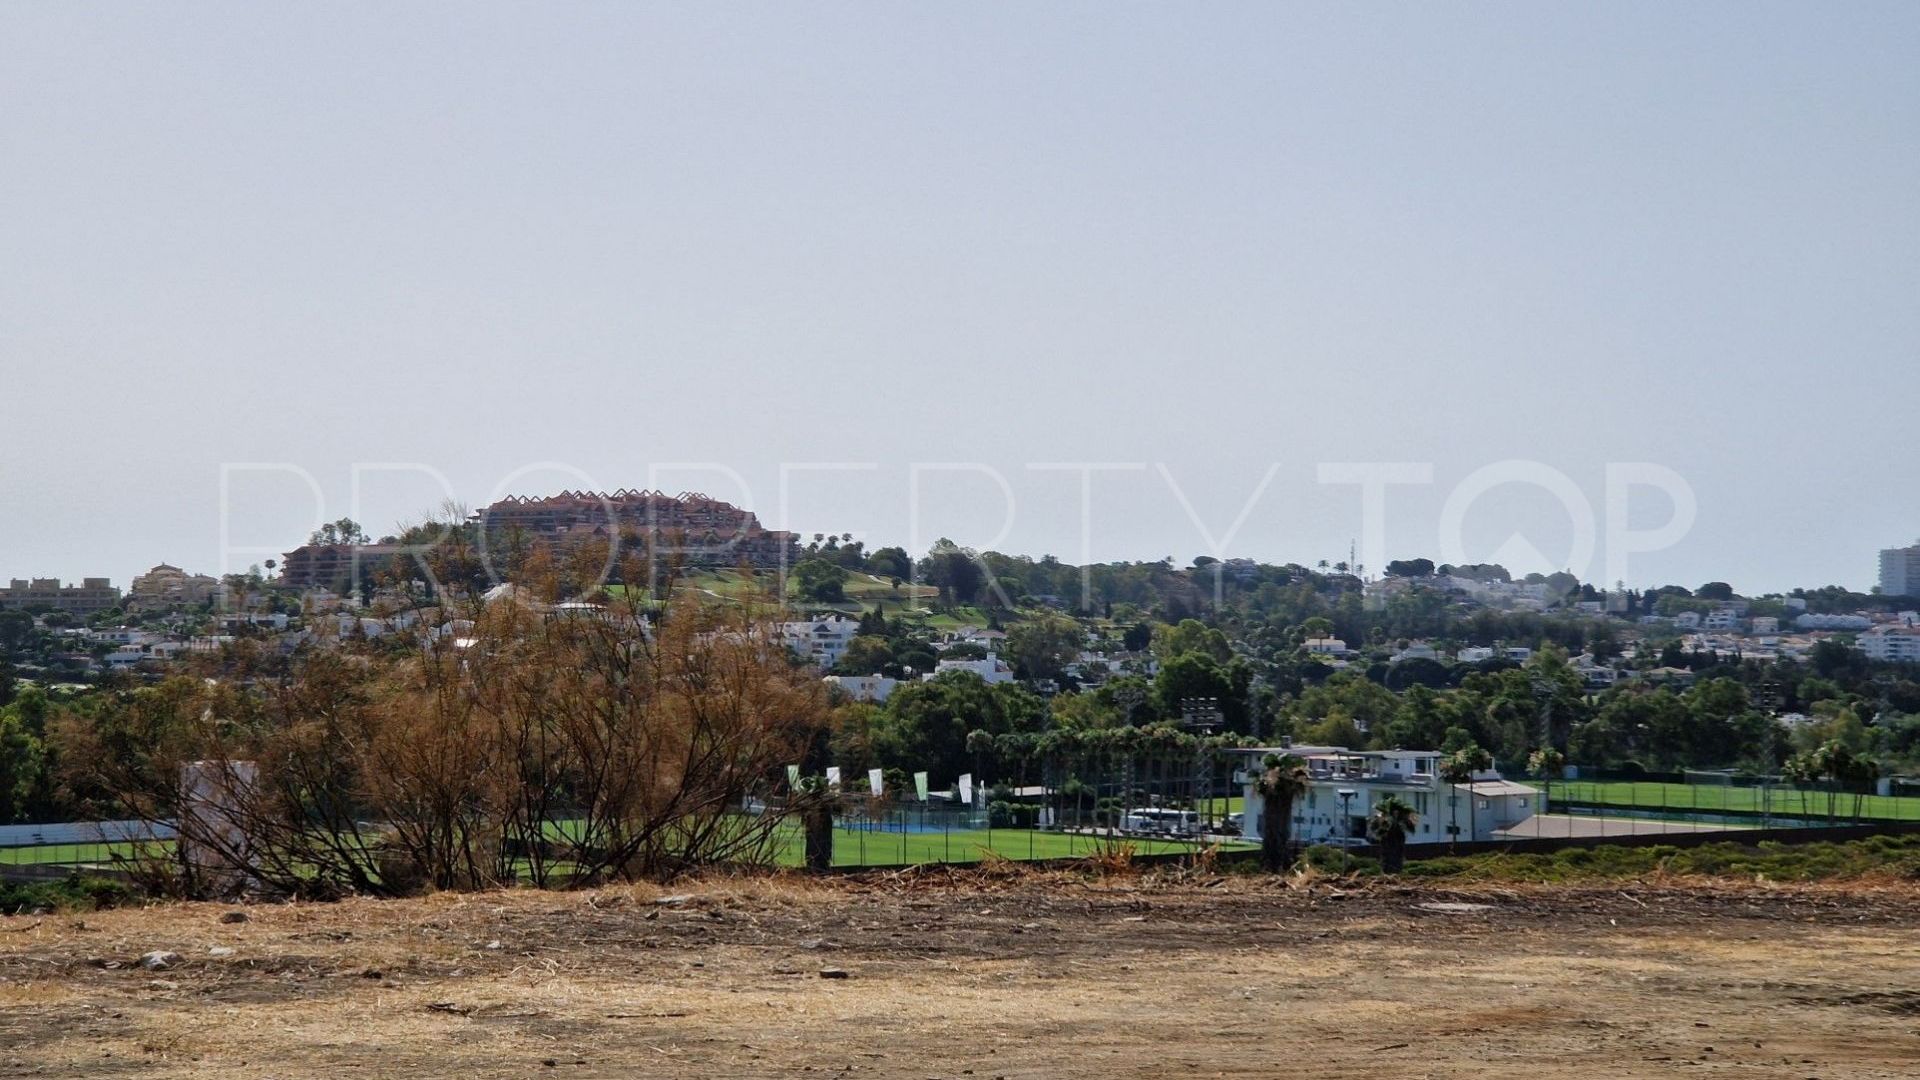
339,567
47,594
692,527
169,586
1900,571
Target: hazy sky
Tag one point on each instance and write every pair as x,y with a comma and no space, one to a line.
1222,244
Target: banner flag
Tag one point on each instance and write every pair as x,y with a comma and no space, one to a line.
966,788
875,781
793,777
920,785
833,776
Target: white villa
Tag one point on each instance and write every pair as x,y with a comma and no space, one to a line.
991,669
1345,784
874,688
821,641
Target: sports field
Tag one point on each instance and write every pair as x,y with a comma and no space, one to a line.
853,847
65,853
1709,798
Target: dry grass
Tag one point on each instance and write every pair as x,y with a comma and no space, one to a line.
1000,971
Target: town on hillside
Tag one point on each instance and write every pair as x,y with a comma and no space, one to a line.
1021,677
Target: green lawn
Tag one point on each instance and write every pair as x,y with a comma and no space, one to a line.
67,853
879,848
1781,802
892,848
868,588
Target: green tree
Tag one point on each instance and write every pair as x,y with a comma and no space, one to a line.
1390,823
925,724
22,756
1282,781
344,531
867,654
1546,764
981,745
1042,647
820,581
1085,711
16,628
890,562
1189,675
1191,636
955,570
1420,720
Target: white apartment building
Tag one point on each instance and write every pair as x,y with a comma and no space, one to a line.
1815,621
1891,643
821,641
1900,571
92,595
1345,785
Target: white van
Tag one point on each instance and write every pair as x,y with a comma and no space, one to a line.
1154,819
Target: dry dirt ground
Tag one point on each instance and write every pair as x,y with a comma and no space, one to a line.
984,975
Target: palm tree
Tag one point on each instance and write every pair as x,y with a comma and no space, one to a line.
980,744
1283,782
1455,771
1545,763
1836,763
1392,820
816,805
1801,771
1865,772
1458,769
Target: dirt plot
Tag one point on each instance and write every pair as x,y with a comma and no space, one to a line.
987,975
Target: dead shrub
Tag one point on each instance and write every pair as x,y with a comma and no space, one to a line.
556,746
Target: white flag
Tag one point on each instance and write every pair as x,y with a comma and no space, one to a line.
966,788
793,777
875,780
833,776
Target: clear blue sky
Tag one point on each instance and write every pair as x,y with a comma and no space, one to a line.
1226,239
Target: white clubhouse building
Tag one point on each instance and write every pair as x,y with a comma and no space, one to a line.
1343,786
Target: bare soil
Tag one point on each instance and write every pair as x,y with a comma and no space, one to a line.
985,974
